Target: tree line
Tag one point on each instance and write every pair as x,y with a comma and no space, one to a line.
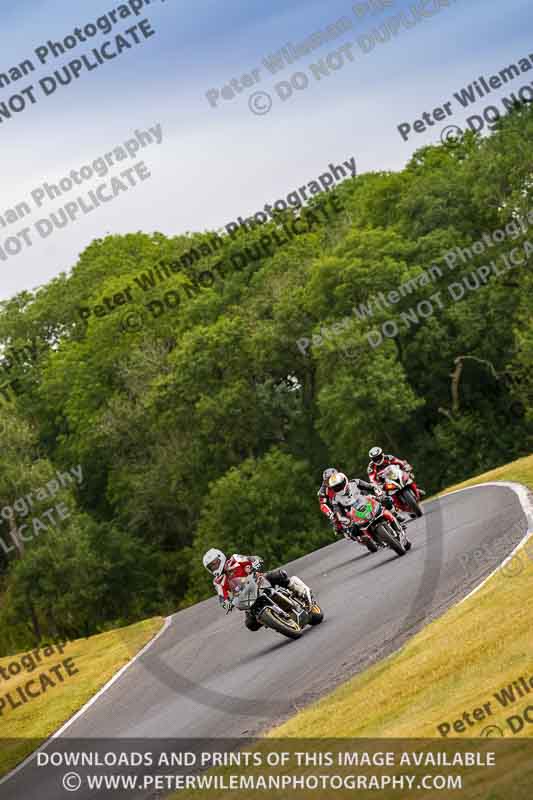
209,426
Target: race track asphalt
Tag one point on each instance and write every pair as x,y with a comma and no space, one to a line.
208,676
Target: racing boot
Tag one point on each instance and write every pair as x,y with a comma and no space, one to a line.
301,590
402,519
418,489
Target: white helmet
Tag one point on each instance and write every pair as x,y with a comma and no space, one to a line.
338,482
214,561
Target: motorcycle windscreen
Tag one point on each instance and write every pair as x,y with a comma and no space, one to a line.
244,591
392,473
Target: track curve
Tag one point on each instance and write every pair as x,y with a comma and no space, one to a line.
208,676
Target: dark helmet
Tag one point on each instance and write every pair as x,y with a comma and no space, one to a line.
376,455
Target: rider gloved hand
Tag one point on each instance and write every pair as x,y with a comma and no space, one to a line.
227,605
333,521
341,525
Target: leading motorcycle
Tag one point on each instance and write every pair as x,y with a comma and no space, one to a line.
399,485
273,606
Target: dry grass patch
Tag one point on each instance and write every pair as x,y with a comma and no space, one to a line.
91,662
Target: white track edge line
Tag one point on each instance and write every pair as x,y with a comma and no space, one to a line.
525,502
527,506
88,704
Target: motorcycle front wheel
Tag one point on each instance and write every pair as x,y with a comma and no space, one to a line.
270,619
317,615
370,545
387,537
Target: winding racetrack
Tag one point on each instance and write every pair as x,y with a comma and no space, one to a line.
207,676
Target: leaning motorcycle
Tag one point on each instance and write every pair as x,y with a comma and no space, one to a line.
399,485
273,606
368,520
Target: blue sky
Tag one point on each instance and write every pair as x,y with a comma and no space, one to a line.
216,163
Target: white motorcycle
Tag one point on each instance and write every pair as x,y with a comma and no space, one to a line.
399,485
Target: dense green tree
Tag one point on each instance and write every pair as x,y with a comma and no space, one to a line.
255,508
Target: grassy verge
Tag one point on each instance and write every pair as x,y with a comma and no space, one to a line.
455,664
90,663
520,471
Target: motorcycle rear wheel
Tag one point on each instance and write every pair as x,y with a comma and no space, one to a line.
411,502
388,538
270,619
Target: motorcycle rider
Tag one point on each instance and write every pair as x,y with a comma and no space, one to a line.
325,496
379,460
236,566
341,489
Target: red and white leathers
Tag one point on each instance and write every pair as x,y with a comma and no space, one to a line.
235,567
325,501
373,469
240,567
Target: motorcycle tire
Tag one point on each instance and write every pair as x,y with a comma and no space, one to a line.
270,619
388,538
411,502
317,615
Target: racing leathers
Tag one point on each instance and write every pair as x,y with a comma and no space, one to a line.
325,495
238,566
375,471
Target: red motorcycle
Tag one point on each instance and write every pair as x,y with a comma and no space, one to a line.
400,486
368,522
